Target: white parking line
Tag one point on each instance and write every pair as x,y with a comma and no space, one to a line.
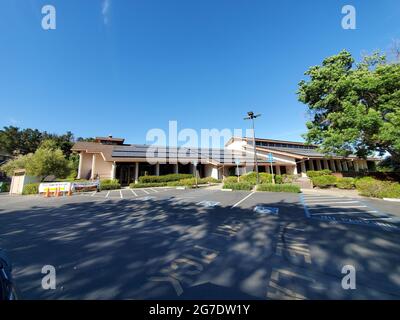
108,193
341,207
334,202
152,189
94,192
239,202
134,193
120,194
145,191
341,212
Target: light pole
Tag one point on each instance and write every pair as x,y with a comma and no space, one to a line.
251,116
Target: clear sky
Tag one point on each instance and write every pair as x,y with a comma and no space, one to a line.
123,67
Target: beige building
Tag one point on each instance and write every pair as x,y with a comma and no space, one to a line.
111,158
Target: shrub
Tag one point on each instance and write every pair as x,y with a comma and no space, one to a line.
164,178
147,185
324,181
238,186
311,174
288,178
109,184
278,179
31,188
4,187
371,187
207,180
264,178
278,187
345,183
190,182
231,179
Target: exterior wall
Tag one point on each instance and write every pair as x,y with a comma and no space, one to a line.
102,168
211,171
86,164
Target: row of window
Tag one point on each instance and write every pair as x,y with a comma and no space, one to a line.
283,145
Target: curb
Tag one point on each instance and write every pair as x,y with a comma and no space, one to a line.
391,199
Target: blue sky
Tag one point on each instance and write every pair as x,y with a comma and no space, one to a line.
124,67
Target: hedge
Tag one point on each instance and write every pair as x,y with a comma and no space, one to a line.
31,188
252,178
311,174
278,187
147,185
371,187
324,181
345,183
238,186
4,187
165,178
109,184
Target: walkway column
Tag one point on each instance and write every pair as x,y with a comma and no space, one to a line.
113,167
80,166
345,167
303,167
356,167
157,169
278,170
326,165
339,165
311,162
136,172
333,165
176,168
93,166
319,166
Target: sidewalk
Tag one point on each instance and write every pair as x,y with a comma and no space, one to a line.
333,192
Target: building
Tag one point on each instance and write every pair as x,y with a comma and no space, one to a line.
111,158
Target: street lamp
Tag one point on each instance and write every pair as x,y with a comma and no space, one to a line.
251,116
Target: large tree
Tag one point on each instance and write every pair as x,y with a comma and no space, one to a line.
47,160
354,107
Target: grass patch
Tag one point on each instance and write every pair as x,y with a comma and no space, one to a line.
238,186
269,187
109,184
165,178
31,188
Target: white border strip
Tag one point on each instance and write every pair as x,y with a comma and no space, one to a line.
239,202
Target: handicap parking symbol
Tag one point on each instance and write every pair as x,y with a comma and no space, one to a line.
208,204
267,210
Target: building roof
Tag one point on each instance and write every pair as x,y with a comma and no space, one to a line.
140,152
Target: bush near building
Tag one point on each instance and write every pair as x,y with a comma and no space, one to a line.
4,187
345,183
238,186
371,187
324,181
147,185
312,174
165,178
31,188
269,187
189,181
109,184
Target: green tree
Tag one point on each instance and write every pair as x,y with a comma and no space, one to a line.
354,108
47,160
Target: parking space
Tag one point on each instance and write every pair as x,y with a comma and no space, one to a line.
348,211
166,243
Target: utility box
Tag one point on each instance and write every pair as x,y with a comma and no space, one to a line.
19,180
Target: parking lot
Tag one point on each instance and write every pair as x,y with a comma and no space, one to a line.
160,243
